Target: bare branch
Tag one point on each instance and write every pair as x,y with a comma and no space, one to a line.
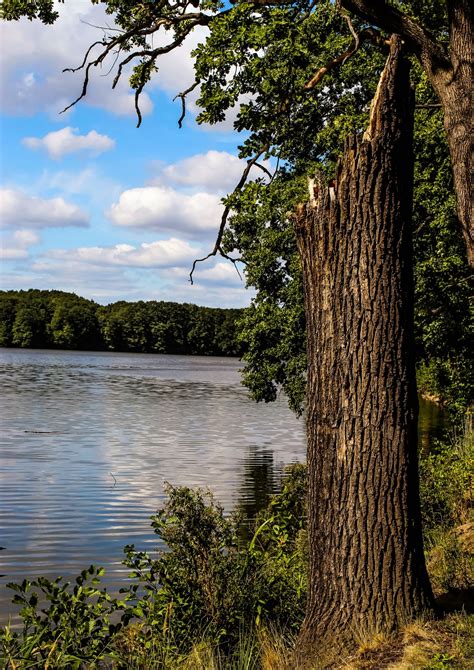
368,34
352,31
183,95
264,169
122,40
85,84
218,244
86,56
138,91
434,105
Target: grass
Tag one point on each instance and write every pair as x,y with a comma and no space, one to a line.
442,644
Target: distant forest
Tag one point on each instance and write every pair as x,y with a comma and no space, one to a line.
59,320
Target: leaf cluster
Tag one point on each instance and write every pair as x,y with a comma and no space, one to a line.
62,626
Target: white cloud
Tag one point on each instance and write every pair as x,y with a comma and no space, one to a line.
12,253
159,254
34,56
215,171
26,238
206,294
162,208
67,141
16,246
19,210
220,273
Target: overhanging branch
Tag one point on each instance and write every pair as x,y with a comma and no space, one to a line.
186,22
217,249
367,34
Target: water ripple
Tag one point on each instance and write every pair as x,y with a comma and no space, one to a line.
89,439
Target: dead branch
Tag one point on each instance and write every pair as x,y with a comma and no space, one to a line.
149,55
367,34
218,244
183,95
392,20
434,105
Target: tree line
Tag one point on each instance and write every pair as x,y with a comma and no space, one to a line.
60,320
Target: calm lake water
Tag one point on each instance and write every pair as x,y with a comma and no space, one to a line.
89,439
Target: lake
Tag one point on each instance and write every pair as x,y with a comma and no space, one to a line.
88,441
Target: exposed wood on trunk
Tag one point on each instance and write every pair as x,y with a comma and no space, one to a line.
367,569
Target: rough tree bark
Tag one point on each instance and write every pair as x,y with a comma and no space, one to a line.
367,568
450,73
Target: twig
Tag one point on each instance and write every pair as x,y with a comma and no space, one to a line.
434,105
183,95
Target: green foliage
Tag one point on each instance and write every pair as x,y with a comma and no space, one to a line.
12,10
446,483
441,661
212,582
63,627
54,319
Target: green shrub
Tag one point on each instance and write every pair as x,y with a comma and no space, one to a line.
210,584
63,626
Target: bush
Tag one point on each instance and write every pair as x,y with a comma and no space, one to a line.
63,627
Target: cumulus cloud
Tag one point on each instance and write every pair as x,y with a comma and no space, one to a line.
159,254
207,294
220,273
67,141
161,208
214,171
16,246
19,210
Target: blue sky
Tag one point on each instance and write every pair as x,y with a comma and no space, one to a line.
88,202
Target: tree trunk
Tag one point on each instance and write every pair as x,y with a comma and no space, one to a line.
367,568
454,88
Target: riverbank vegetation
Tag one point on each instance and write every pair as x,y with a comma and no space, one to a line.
59,320
230,592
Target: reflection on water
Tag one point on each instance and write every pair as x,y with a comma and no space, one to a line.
432,423
88,440
260,479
